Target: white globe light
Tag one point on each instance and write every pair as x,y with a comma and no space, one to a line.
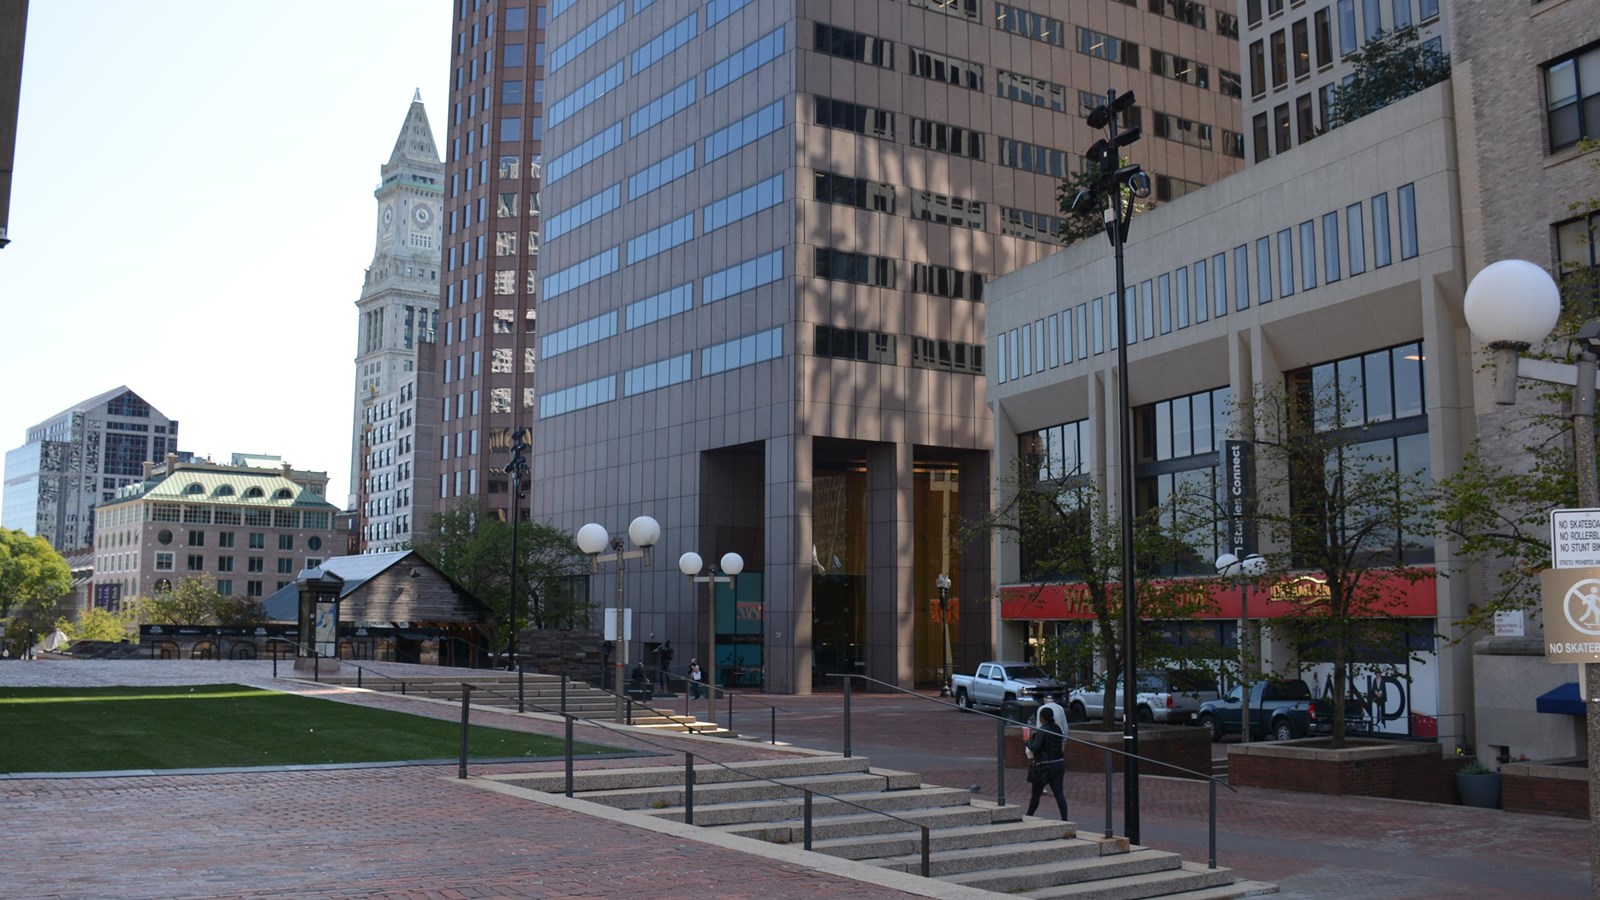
690,564
593,538
732,563
644,531
1254,564
1225,562
1512,301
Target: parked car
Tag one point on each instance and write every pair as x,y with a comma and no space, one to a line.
1281,710
1016,688
1168,696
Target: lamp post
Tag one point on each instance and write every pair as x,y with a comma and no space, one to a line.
1510,306
594,539
518,470
732,564
1232,566
1113,193
943,583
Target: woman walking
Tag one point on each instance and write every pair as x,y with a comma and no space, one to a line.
1046,746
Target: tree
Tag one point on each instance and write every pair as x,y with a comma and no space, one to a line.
1069,538
1088,222
474,550
33,576
1336,504
96,624
196,601
1392,66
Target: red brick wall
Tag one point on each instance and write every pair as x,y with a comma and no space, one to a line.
1421,777
1546,796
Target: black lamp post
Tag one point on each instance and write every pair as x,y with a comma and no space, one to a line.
1113,192
518,470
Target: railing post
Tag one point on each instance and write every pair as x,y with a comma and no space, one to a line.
1213,784
807,827
359,670
1108,792
1000,757
730,709
316,666
847,681
688,789
274,662
629,720
563,693
774,725
569,754
925,849
466,700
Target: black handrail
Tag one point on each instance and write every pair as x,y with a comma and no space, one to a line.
316,666
1002,722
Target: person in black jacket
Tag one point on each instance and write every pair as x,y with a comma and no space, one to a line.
1046,746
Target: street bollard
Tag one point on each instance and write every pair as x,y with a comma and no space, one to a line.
569,754
1000,756
1108,793
926,847
1213,823
808,815
466,701
847,680
688,789
774,711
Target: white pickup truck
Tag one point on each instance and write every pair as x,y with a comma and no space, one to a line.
1017,688
1167,696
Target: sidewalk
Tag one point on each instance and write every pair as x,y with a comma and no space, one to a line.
417,832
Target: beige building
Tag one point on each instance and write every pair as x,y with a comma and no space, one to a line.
252,529
1340,263
768,233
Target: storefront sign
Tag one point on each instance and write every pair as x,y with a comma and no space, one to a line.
1571,614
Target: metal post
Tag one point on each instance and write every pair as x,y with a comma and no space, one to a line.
466,701
808,817
1213,784
563,692
274,661
1109,780
729,695
359,670
925,848
709,676
774,711
847,680
1130,617
1583,407
688,789
569,755
1000,757
621,643
1244,671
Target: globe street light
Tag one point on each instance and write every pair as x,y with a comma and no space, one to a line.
594,539
731,565
1231,566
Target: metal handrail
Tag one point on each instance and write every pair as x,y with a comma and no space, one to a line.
1002,722
807,793
316,667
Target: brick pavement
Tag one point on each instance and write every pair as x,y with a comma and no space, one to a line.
414,832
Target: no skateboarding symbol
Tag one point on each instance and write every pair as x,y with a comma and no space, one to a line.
1571,615
1581,605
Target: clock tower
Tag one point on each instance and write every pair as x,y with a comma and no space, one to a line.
399,315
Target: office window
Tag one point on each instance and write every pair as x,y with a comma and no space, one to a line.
1241,277
1264,270
741,62
1308,255
1347,27
1371,18
853,343
1258,68
740,205
1227,25
1184,131
1324,35
1285,263
1180,68
1330,248
747,130
948,69
943,281
1407,201
1261,134
1381,248
1104,46
1147,311
1030,225
1355,238
1429,9
745,351
608,22
1181,297
964,8
657,375
1252,12
1228,84
1280,63
1280,128
1097,318
854,117
857,268
854,45
1301,49
1402,15
665,42
1164,301
1030,25
1030,90
1572,98
1232,144
1081,330
1307,123
1033,158
858,192
944,138
943,210
645,118
1578,258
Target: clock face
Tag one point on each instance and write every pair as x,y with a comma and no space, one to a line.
388,217
423,215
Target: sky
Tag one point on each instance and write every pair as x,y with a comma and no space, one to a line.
192,211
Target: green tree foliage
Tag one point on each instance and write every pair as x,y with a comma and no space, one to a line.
1392,66
1070,538
1086,223
474,551
195,601
96,624
1337,509
32,575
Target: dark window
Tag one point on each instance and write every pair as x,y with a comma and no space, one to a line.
1228,25
1577,260
1228,83
1179,68
1262,148
1033,158
854,45
858,268
1030,25
1324,29
1280,67
943,281
851,343
1308,124
944,210
948,69
1258,68
1104,46
1302,49
1280,116
946,138
857,192
854,117
927,353
1030,90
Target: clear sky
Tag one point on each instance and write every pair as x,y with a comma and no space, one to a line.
192,212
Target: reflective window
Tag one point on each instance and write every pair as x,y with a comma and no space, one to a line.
758,124
1330,247
580,335
656,375
1381,248
854,117
1202,292
662,107
944,138
578,274
943,210
583,154
943,281
965,8
948,69
660,240
609,21
665,42
858,192
665,172
1308,255
1407,202
717,10
556,403
1030,90
751,57
745,351
1355,238
750,274
1104,46
585,95
1181,296
1030,25
586,210
865,48
1285,263
1033,158
860,268
745,203
664,305
1031,225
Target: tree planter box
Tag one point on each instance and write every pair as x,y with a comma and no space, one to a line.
1180,745
1552,788
1399,770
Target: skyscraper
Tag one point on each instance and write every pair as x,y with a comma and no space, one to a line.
77,459
767,230
399,318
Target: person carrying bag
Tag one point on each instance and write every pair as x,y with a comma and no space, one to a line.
1049,767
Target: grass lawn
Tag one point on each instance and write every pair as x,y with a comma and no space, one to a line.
203,726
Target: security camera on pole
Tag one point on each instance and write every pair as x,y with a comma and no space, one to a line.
1114,191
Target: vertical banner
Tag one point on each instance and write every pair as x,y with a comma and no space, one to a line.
1238,496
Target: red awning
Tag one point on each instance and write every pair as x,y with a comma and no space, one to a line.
1402,597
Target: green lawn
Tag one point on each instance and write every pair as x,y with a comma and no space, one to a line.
203,726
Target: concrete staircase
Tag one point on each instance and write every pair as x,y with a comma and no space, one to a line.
972,843
541,694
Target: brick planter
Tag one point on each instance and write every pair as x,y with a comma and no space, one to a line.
1396,769
1180,745
1552,790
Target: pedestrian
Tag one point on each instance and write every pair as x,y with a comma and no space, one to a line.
664,652
694,679
1052,703
1046,746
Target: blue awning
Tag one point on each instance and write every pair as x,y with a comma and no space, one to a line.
1564,700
